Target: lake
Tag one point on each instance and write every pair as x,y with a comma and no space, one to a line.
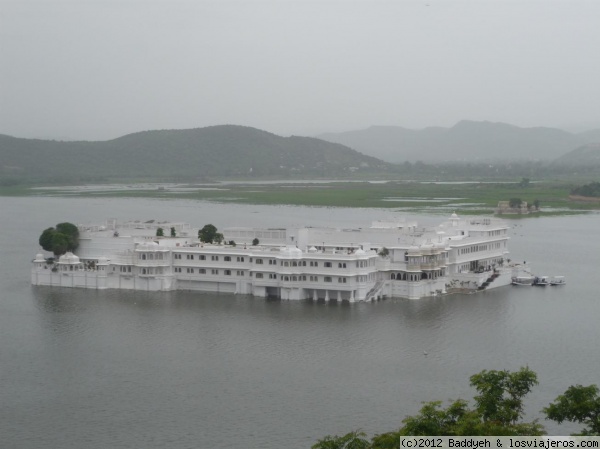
98,369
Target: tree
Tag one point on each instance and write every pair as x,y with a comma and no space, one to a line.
219,238
64,237
524,182
232,242
208,233
577,404
45,239
352,440
255,242
160,232
498,409
173,232
384,252
515,203
60,243
501,394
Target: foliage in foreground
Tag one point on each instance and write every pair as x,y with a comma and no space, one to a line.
498,411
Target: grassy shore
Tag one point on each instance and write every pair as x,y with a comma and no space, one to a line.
465,198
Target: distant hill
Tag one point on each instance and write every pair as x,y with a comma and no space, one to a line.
466,141
225,150
584,156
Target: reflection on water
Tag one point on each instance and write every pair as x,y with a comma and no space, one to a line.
97,369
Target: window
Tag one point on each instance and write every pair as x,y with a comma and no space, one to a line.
240,259
327,279
143,257
177,270
314,278
327,264
202,271
214,257
259,261
190,257
227,259
272,262
240,273
341,280
303,278
214,271
272,276
259,275
177,256
294,278
342,265
202,257
314,264
227,272
190,270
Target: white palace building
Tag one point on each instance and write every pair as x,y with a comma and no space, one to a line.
387,259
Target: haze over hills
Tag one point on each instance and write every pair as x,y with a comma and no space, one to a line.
470,141
225,150
585,155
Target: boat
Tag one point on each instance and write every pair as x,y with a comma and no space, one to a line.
541,281
557,280
523,280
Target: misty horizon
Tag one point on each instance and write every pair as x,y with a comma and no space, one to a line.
100,70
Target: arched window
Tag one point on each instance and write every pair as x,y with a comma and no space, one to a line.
143,256
394,276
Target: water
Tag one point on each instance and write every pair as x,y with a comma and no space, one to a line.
82,368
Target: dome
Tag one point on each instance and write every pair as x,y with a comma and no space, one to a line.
312,249
68,258
290,251
360,252
147,246
414,251
39,257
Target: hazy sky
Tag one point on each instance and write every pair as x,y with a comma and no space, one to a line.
100,69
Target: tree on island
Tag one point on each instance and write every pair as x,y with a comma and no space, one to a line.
209,234
160,232
515,203
498,411
255,241
173,232
64,237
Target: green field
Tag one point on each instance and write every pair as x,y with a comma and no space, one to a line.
464,198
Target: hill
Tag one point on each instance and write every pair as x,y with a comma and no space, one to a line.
583,156
224,150
467,141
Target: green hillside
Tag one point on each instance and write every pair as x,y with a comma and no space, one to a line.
200,153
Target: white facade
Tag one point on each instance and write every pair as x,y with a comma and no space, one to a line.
388,259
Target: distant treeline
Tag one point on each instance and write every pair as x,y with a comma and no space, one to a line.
592,189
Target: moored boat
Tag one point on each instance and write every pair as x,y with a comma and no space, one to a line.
541,281
523,280
557,280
